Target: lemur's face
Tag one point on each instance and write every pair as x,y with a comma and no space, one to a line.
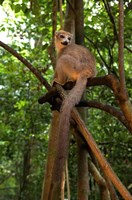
63,37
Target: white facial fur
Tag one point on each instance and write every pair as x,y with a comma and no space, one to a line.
62,39
65,39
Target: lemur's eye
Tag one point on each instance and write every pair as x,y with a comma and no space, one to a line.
62,36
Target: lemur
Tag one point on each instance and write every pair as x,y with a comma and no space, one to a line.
74,63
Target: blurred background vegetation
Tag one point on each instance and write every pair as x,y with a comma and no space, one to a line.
26,26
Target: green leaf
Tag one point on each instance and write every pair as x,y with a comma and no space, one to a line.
1,2
17,8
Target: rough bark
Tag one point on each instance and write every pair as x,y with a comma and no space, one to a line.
52,149
83,180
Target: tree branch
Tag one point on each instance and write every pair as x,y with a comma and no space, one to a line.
110,80
104,192
113,83
95,150
111,188
36,72
107,108
128,48
109,12
96,47
121,47
51,48
53,94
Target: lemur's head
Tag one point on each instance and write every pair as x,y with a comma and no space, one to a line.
62,39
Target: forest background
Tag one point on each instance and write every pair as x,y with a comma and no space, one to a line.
24,124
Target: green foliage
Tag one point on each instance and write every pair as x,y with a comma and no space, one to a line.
23,122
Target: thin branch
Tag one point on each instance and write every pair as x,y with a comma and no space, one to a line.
128,48
110,56
67,181
121,47
6,178
51,48
61,15
100,181
107,108
109,12
27,64
103,60
54,17
111,188
108,9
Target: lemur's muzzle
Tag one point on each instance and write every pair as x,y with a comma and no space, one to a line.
64,43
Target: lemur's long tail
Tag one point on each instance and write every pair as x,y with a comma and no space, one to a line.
75,95
71,100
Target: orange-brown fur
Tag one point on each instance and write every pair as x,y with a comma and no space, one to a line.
73,61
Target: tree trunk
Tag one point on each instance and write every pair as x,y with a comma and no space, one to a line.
52,149
25,182
83,180
104,192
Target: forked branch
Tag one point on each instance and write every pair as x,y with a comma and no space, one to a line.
94,148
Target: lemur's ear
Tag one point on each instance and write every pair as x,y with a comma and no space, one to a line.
56,33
